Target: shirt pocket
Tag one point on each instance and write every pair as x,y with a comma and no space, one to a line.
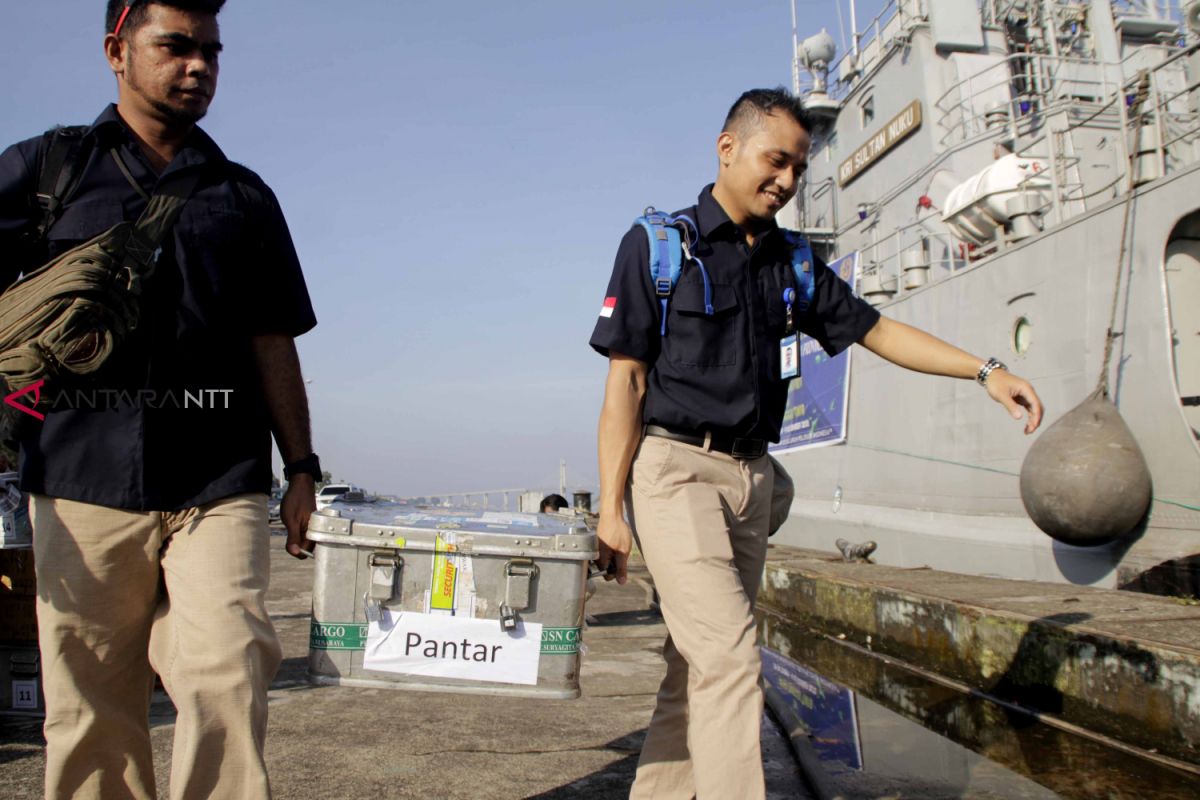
696,338
81,222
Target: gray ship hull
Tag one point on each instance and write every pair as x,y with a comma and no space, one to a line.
930,466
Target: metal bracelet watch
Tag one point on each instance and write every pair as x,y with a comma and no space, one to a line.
309,465
989,365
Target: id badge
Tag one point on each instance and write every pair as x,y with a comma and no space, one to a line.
789,357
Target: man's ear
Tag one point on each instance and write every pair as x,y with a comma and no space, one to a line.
114,52
726,145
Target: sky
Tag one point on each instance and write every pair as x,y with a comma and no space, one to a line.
456,177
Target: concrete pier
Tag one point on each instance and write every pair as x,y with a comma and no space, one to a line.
1119,664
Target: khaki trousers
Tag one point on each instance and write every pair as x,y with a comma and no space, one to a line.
701,518
125,594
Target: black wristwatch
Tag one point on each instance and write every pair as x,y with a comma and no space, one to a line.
309,465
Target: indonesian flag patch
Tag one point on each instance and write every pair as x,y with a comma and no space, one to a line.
610,305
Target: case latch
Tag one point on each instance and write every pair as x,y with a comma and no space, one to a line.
384,569
519,574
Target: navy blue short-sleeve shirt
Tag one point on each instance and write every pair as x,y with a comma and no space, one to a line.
176,418
721,371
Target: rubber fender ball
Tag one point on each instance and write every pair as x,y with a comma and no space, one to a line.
1085,481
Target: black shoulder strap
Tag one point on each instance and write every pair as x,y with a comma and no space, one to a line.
142,246
61,157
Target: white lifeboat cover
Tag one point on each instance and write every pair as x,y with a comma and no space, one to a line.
977,207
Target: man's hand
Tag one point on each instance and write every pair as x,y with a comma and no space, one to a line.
298,505
616,540
1015,393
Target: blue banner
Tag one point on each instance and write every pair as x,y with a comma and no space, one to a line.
816,407
804,700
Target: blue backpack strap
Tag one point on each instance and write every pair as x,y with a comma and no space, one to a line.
691,234
803,266
666,256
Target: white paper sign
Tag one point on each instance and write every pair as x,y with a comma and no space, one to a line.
435,645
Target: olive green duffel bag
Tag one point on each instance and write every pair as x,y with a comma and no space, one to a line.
65,319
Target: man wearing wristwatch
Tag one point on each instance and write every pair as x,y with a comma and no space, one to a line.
691,403
148,487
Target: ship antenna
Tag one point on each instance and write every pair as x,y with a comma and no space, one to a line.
841,25
854,32
795,54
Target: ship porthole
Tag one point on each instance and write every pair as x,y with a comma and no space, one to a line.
1022,335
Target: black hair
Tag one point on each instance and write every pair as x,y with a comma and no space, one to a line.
753,105
555,501
137,14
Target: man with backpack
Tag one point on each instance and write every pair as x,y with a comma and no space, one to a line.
700,326
149,479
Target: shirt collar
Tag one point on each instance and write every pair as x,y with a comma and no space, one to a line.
199,149
709,214
711,217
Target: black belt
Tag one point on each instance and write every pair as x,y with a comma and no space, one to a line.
736,446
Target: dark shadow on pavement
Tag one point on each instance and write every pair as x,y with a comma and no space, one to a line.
609,783
162,710
642,616
20,738
293,672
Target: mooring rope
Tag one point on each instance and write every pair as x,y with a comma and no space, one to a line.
1143,91
967,465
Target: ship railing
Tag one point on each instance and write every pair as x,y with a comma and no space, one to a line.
1033,137
1068,94
1159,138
1170,113
1047,85
869,45
820,196
1154,9
1032,84
995,12
941,255
886,273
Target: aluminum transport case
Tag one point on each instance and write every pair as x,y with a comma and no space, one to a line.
448,600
